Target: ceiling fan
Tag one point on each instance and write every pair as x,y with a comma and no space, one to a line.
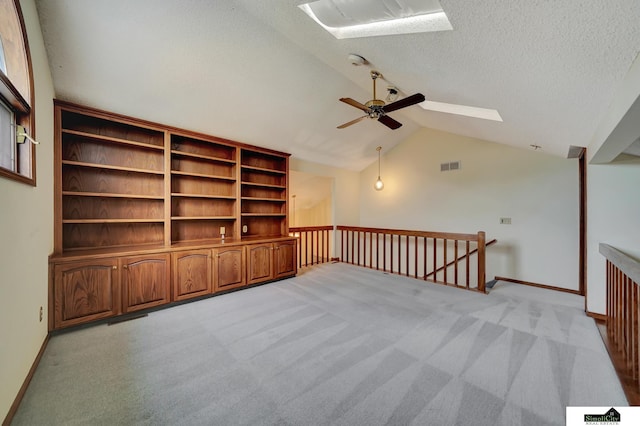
377,108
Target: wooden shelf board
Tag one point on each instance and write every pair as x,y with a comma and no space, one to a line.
98,221
262,169
215,197
203,157
112,139
202,175
263,214
203,217
111,195
110,167
275,200
264,185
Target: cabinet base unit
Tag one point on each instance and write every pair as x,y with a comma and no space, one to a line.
144,281
85,291
230,268
87,287
191,274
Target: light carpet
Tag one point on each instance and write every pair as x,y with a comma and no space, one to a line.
337,345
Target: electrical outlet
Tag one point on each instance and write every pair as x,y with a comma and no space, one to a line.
222,230
505,221
41,313
245,229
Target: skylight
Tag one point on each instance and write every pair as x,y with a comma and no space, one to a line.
368,18
475,112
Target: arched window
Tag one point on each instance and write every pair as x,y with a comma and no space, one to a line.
17,153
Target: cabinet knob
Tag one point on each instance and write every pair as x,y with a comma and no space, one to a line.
114,267
125,266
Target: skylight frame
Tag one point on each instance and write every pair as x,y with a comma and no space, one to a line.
430,22
468,111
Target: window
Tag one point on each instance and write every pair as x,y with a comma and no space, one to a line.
17,160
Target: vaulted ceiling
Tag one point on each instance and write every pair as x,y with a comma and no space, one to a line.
263,73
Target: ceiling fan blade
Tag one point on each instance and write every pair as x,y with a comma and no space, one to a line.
389,122
342,126
403,103
355,103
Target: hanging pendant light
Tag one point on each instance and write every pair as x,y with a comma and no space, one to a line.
379,184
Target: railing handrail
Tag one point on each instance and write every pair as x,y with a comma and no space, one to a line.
410,233
461,258
310,228
627,264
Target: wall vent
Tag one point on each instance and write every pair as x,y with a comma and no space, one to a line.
454,165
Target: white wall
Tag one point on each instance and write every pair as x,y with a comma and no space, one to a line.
537,191
613,217
316,215
346,189
26,232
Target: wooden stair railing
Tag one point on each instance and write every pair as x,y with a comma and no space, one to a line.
458,259
622,337
420,254
314,244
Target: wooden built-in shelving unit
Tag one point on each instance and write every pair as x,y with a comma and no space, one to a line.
172,205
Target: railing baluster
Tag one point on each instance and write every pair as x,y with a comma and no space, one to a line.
377,251
415,260
435,259
407,257
445,249
424,268
455,265
390,253
467,272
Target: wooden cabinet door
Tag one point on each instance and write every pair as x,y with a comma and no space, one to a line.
229,267
85,291
259,263
284,259
191,273
145,281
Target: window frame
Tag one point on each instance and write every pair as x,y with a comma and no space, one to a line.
24,113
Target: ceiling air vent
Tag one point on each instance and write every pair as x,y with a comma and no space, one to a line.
454,165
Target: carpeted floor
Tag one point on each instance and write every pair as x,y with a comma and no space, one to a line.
337,345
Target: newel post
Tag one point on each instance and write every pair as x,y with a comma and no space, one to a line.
481,261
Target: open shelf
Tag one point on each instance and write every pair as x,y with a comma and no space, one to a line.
213,197
111,195
202,175
110,167
112,220
202,157
203,218
111,139
118,131
262,169
264,185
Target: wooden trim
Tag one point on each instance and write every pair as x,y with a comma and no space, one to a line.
626,264
598,317
582,258
548,287
404,232
626,379
23,389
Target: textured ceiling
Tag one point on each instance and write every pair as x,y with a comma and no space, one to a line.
262,72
